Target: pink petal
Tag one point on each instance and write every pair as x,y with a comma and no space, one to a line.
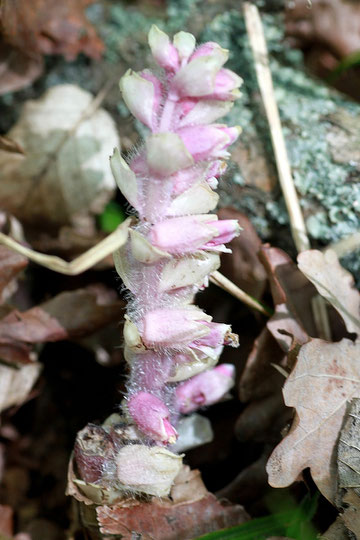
182,234
174,327
152,416
227,230
208,141
205,389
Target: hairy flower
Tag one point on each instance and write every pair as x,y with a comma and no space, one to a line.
171,345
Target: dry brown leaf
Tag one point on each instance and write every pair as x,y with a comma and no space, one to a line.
326,376
351,516
32,326
334,283
65,174
188,486
258,377
164,520
49,27
83,311
289,286
349,450
6,520
17,69
15,384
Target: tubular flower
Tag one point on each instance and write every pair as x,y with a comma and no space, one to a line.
173,246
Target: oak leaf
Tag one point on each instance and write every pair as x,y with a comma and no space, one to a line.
334,283
325,377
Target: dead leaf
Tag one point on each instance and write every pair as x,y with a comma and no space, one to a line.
188,486
164,520
258,378
250,483
15,384
6,520
325,377
49,27
32,326
289,286
351,516
66,172
334,283
336,531
17,69
242,266
264,419
11,263
83,311
349,451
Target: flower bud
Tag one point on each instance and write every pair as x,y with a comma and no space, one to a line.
174,327
152,417
226,85
188,234
163,51
205,142
205,389
197,78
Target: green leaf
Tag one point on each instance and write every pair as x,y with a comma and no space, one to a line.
350,61
294,523
256,529
111,217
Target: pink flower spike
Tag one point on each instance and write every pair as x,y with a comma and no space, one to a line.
152,417
164,52
205,389
227,230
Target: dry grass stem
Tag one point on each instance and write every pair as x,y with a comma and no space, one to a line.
258,45
82,263
224,283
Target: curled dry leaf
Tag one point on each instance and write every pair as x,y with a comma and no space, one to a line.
65,174
334,283
325,377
